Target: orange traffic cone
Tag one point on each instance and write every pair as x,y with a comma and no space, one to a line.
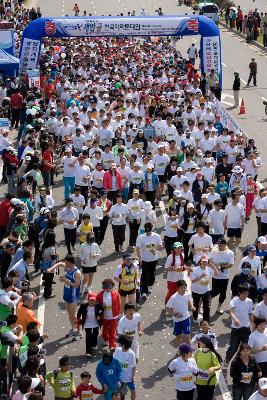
242,108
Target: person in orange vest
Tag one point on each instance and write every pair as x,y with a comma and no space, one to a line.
110,300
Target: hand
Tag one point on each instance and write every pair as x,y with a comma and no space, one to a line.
237,322
45,335
178,315
19,328
193,308
264,347
62,279
140,333
211,370
133,379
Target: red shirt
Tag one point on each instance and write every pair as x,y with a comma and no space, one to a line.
47,156
16,101
4,214
87,391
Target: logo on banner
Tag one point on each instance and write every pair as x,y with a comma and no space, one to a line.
50,27
192,24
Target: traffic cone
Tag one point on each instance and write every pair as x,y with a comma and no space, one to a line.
242,108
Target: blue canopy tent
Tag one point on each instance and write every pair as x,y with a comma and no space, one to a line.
9,65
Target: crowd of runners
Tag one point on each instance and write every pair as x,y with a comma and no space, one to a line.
127,127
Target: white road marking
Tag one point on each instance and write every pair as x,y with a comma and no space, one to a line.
41,306
226,395
263,98
224,65
243,81
194,40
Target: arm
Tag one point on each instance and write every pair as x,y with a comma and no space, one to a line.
234,317
75,284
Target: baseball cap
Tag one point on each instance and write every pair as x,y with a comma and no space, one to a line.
179,169
262,383
91,296
186,348
262,240
177,245
251,248
126,255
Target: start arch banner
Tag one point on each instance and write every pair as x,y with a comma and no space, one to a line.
181,25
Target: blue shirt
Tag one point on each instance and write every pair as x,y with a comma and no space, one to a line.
70,294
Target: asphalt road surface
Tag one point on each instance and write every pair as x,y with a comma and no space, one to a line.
157,344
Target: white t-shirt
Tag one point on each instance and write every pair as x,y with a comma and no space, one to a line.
90,321
216,221
200,243
80,172
179,304
147,245
257,396
203,285
184,373
171,226
79,202
222,257
160,163
129,327
260,310
234,214
68,167
242,311
257,340
107,305
127,361
263,206
174,276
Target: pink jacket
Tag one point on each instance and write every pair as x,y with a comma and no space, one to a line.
107,180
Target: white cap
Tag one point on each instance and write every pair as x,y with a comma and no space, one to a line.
176,193
148,205
262,383
237,170
28,158
179,169
137,164
190,205
208,160
44,211
68,149
262,240
29,126
149,165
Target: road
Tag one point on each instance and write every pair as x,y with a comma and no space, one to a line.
157,343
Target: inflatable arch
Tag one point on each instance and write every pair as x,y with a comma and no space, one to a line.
181,25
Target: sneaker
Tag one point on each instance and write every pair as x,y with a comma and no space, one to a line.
149,289
219,311
73,247
144,296
121,248
71,333
76,338
89,355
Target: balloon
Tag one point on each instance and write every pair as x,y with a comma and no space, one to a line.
33,112
36,108
28,112
63,55
57,49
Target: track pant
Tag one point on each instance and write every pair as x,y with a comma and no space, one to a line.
109,331
148,275
205,392
206,307
69,184
184,395
91,335
219,287
96,230
134,227
103,228
168,242
172,289
242,391
151,196
118,235
238,336
70,238
249,200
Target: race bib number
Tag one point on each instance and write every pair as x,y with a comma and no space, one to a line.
203,375
246,377
186,379
87,394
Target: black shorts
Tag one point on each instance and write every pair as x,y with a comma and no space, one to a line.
162,178
88,270
124,293
231,232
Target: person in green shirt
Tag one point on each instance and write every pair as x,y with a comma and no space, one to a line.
11,333
208,362
62,380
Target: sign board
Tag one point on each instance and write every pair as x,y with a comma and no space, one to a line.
34,78
226,118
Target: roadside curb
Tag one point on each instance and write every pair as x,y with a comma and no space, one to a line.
253,42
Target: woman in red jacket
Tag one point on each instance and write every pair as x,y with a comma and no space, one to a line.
110,300
112,182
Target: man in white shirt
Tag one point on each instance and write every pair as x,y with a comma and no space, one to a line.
234,222
261,393
82,176
69,163
147,246
241,308
260,309
135,206
160,162
253,260
200,243
258,343
118,215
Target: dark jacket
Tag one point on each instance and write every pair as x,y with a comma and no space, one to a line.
242,279
223,169
208,208
197,192
236,84
82,313
237,367
187,216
